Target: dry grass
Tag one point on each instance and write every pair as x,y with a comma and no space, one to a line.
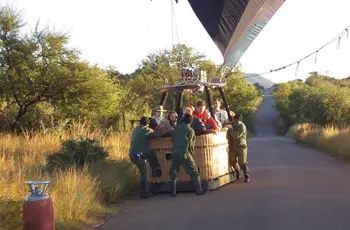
332,140
79,196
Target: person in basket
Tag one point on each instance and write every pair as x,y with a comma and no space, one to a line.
167,125
158,113
201,113
220,114
197,124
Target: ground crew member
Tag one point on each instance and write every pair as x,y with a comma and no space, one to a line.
139,152
196,124
183,139
238,147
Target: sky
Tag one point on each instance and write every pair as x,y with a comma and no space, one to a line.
121,33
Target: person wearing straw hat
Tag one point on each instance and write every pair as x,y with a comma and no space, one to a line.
139,152
183,140
238,147
158,110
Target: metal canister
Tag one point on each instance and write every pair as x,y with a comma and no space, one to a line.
38,212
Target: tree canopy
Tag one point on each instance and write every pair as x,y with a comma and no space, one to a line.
45,83
320,100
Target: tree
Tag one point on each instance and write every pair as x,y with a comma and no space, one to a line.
242,97
259,87
140,89
321,101
134,95
43,80
39,67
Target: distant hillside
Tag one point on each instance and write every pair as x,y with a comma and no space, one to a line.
259,79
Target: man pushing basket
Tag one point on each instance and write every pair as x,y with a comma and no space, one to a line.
183,140
238,149
139,152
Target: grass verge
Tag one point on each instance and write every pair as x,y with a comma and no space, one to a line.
80,197
334,141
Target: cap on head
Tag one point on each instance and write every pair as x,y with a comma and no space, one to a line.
238,117
152,123
144,121
187,118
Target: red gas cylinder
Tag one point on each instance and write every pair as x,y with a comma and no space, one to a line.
38,211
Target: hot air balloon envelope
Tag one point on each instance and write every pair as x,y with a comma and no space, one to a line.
234,24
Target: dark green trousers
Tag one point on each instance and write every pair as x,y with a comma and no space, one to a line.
239,155
141,163
186,161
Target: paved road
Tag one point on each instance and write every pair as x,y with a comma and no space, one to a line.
265,116
292,187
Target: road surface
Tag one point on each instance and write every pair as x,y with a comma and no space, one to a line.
292,187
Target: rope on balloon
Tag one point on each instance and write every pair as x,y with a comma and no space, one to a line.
336,38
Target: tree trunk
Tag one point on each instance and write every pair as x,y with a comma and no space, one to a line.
13,126
16,122
124,122
21,111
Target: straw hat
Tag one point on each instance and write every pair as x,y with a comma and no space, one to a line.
159,108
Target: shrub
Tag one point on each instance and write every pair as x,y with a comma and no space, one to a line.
76,152
80,197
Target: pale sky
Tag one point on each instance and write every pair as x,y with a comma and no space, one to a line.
123,32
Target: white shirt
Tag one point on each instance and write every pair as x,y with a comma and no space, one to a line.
221,115
158,121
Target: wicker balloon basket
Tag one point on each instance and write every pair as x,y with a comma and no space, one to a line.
211,156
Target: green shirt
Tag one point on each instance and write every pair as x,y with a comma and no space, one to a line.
239,134
183,139
140,139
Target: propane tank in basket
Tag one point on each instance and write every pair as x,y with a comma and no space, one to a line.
38,210
193,76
